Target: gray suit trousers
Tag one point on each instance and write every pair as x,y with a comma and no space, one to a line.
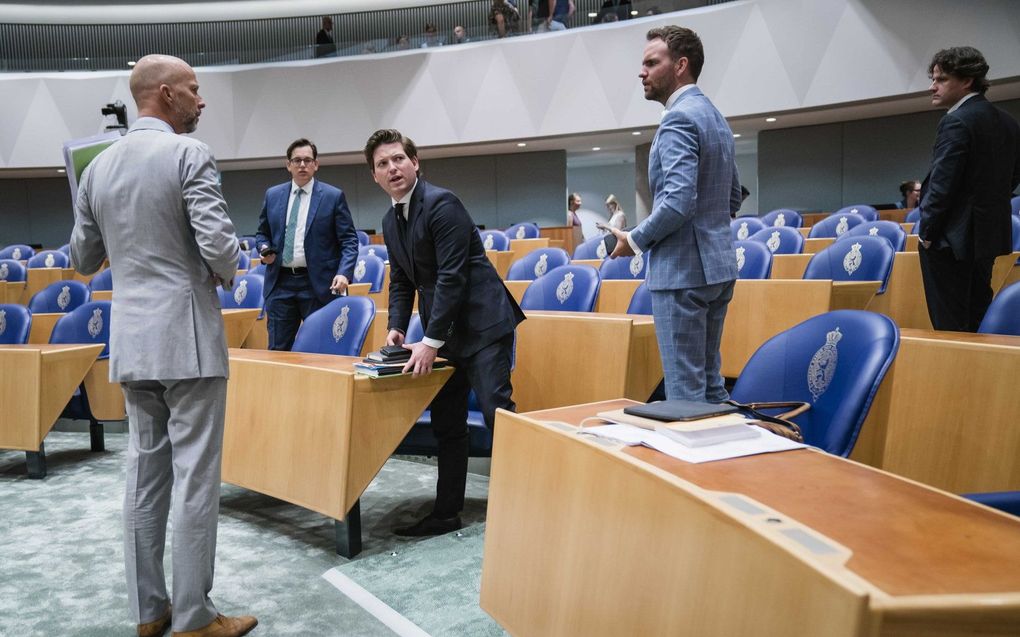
173,462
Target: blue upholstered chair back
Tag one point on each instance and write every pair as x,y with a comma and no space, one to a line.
754,261
536,263
522,231
259,270
375,249
1003,315
641,301
835,362
247,293
860,258
103,280
571,288
59,297
370,269
780,239
1016,233
247,242
49,259
742,228
624,267
243,261
17,251
15,324
1005,501
339,328
66,249
11,270
834,225
88,323
1015,203
782,217
591,249
867,212
363,239
888,230
494,240
913,216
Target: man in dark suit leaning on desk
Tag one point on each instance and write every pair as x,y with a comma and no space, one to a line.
468,314
307,240
965,211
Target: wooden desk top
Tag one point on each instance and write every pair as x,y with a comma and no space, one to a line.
339,364
905,538
637,319
50,349
961,337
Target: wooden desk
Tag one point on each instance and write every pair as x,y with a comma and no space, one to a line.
501,260
912,241
946,413
42,326
517,289
522,247
615,295
813,246
789,266
566,358
38,380
899,215
592,539
595,263
38,278
237,324
11,291
570,236
760,309
102,295
323,437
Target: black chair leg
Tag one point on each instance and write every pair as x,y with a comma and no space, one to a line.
36,462
96,437
348,532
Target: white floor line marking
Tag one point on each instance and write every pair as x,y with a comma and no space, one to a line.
393,620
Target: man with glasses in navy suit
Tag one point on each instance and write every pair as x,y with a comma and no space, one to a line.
307,240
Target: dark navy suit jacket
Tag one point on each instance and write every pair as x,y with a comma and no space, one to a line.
331,242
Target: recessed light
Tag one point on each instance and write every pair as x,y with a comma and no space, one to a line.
736,135
521,144
770,119
61,171
592,15
635,133
633,12
131,62
596,148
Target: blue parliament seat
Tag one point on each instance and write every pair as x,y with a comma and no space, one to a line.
12,271
782,217
103,281
1005,501
591,249
338,328
494,240
780,239
259,270
49,259
754,261
858,258
17,251
59,297
888,230
15,324
363,239
536,263
868,213
641,300
568,288
834,225
66,249
1003,315
243,260
835,362
247,294
1015,204
742,228
913,216
623,268
370,269
524,230
376,250
1016,234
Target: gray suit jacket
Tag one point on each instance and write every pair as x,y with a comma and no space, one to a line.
152,204
693,175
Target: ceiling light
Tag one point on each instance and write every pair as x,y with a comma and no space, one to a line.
770,119
596,148
61,171
592,15
521,144
131,62
633,12
736,135
637,132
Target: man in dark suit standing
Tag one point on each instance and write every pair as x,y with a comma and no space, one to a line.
468,314
965,209
307,240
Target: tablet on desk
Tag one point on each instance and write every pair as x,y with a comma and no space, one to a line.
679,410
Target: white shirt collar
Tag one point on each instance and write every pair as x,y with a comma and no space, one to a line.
307,188
406,199
676,95
152,122
960,103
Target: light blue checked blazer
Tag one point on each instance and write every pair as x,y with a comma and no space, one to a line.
693,176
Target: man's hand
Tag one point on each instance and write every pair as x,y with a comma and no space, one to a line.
268,258
422,357
622,248
339,285
395,337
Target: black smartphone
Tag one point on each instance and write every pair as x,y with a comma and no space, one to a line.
610,242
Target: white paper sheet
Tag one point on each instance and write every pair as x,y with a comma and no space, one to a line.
629,435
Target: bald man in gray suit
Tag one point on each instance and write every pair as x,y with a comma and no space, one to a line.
151,203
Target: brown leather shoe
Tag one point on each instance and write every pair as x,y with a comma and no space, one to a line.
155,628
223,626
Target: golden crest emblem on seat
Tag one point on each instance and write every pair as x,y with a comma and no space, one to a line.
488,242
16,255
96,322
873,231
64,298
742,232
740,258
241,292
565,288
600,250
50,261
340,324
636,263
773,242
842,226
542,265
854,211
822,368
520,232
371,252
4,271
780,220
3,321
853,259
359,270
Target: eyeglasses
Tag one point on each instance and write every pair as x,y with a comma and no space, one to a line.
301,161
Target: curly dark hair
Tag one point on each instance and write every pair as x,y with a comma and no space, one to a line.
388,136
682,43
962,62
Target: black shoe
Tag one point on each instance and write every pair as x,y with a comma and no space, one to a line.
429,525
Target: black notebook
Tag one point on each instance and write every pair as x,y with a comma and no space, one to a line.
390,354
674,410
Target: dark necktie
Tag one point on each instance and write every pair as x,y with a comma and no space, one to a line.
398,208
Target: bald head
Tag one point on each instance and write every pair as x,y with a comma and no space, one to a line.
165,87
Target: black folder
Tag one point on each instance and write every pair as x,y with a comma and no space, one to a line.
682,410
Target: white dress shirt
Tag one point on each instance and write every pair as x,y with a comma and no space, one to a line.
406,200
299,231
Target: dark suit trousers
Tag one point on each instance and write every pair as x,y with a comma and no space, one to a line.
488,373
291,301
958,293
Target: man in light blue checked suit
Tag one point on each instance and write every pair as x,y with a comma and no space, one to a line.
691,263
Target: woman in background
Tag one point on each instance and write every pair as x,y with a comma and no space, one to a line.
617,219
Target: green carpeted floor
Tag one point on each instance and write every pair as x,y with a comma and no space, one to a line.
61,569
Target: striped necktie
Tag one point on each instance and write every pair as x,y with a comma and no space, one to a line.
288,243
